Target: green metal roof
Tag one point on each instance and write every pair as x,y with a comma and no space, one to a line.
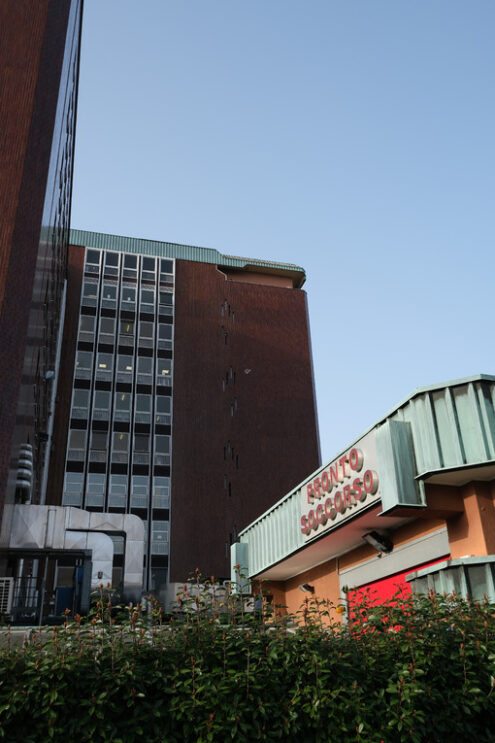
452,426
184,252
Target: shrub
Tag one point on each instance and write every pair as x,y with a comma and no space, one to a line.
413,669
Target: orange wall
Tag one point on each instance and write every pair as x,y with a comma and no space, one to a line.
473,532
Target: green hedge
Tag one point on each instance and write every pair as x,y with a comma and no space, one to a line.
409,670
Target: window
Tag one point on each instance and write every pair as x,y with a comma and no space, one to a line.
166,297
122,401
107,325
110,291
149,264
80,399
159,537
143,403
121,442
163,406
101,400
141,443
77,440
166,266
93,257
111,259
130,261
145,365
162,444
95,484
140,484
124,363
84,360
164,367
147,297
73,482
90,290
127,327
105,362
146,329
99,440
118,484
128,294
87,324
165,332
161,492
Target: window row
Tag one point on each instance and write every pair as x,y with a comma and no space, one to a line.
125,363
107,326
129,294
142,490
114,259
99,441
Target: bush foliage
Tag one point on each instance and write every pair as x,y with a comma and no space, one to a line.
413,669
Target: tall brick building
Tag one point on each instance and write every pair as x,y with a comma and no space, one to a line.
186,396
39,61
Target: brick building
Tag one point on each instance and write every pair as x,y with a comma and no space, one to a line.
186,396
39,63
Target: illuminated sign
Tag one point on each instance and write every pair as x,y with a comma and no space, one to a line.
340,489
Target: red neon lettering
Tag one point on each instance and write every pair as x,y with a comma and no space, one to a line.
356,459
343,462
309,491
304,525
337,501
359,493
370,482
320,515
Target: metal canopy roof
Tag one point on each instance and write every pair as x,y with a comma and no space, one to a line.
185,253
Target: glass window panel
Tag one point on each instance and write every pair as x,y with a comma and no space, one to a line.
73,482
99,440
163,407
165,332
162,444
149,264
90,289
87,323
118,484
105,361
127,327
164,367
109,291
93,256
84,360
80,399
161,485
125,363
107,325
95,483
143,403
121,441
141,442
159,531
140,484
101,400
145,365
128,294
166,266
146,329
112,259
77,439
166,297
123,401
130,261
147,296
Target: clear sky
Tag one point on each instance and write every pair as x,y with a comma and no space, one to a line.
354,138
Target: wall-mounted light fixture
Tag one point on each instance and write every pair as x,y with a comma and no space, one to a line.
379,541
307,588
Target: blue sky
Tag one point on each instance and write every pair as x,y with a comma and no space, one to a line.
353,138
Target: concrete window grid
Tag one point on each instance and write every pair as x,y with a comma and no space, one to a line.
132,295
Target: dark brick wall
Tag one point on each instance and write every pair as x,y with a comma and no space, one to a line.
75,268
267,413
32,39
